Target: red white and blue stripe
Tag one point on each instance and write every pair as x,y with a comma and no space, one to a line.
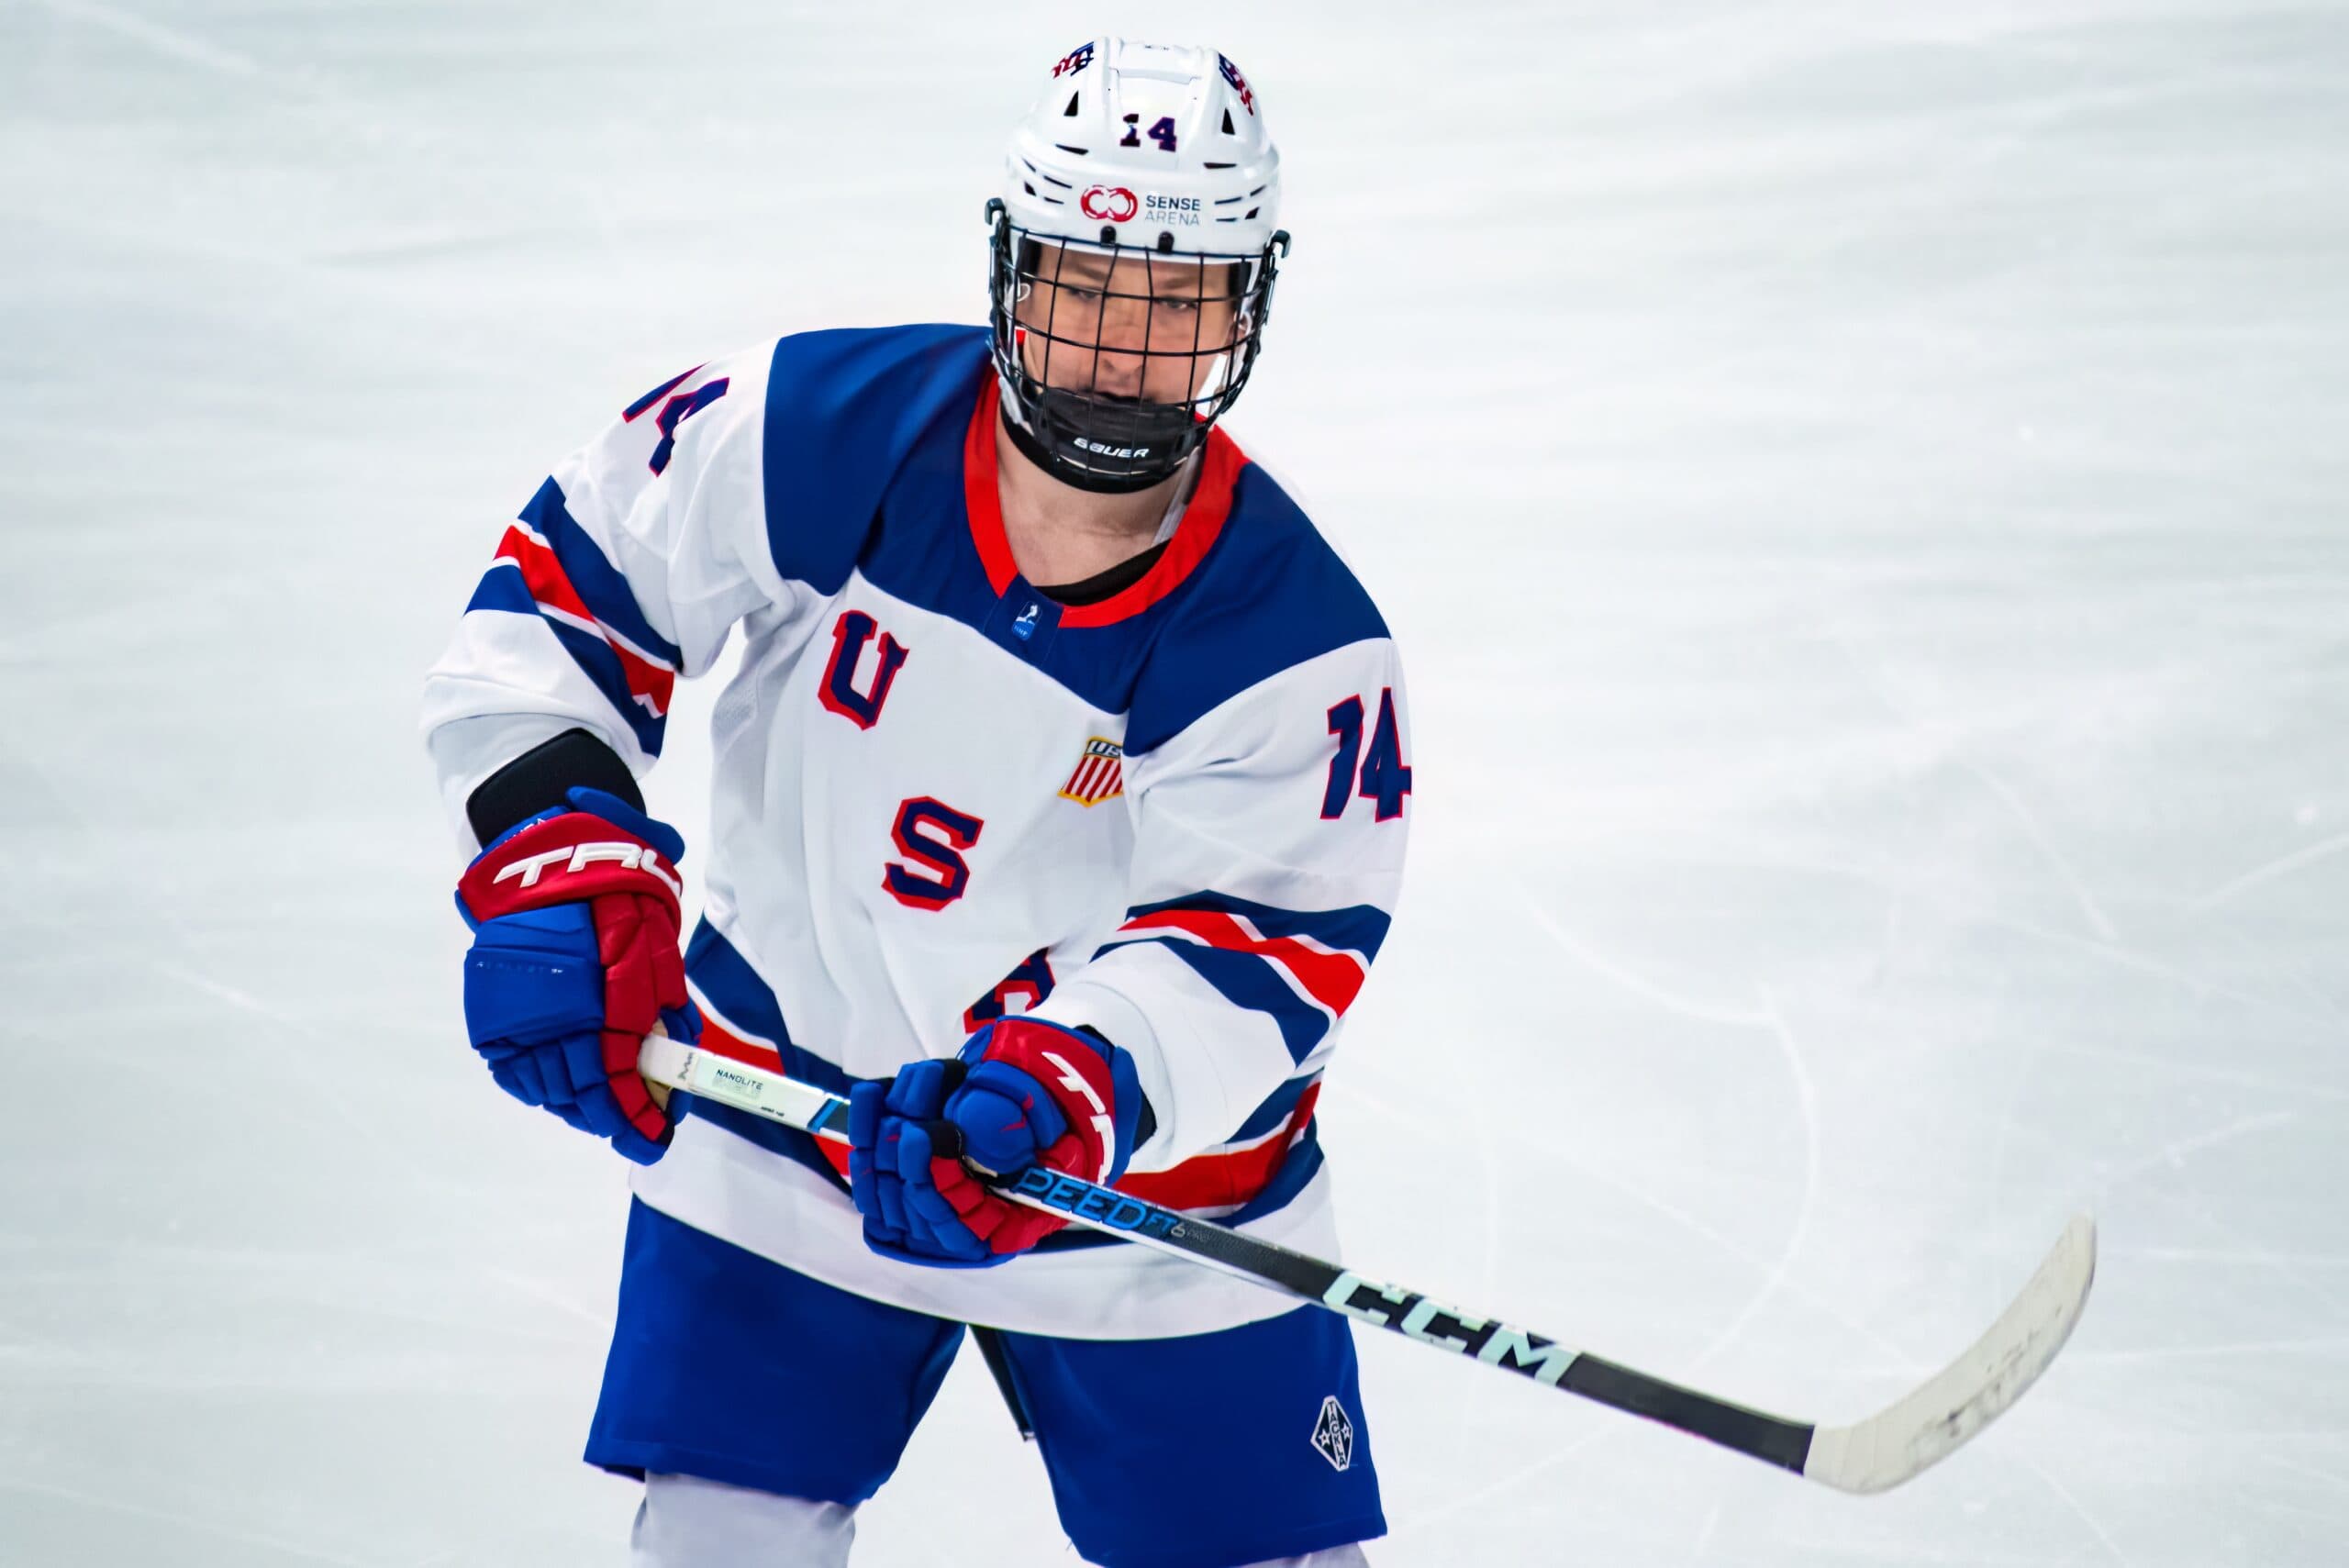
1260,1168
547,565
1302,969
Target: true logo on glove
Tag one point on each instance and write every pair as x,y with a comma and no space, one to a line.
629,857
1108,1130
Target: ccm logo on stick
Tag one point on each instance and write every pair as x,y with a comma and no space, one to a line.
1494,1344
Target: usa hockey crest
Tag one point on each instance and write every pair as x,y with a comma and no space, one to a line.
1333,1434
1099,776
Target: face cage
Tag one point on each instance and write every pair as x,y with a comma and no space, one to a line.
1100,441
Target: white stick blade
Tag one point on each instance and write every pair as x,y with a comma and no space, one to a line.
1925,1426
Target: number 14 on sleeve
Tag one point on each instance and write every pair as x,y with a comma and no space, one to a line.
1383,777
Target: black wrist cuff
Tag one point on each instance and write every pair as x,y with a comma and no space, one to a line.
537,780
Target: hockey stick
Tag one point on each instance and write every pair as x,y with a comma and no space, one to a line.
1913,1432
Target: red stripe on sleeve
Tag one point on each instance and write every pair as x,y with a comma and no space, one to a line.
550,585
1217,1181
654,682
1333,979
548,582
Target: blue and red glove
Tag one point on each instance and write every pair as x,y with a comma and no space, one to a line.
575,960
1022,1091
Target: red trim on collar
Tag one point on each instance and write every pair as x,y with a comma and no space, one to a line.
1194,534
979,497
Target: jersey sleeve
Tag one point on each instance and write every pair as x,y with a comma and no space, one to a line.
1268,856
624,571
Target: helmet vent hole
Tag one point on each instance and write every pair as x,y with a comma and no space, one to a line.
1080,152
1253,211
1214,165
1071,111
1227,120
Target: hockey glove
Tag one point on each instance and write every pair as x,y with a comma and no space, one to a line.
1022,1091
575,960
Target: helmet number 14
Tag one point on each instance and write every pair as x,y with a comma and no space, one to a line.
1162,132
1384,778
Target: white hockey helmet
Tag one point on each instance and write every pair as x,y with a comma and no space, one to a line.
1155,159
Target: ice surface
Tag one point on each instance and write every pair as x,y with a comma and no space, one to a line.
1860,487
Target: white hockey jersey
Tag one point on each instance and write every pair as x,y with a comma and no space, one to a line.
1177,815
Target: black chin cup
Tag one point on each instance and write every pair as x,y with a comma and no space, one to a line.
1110,446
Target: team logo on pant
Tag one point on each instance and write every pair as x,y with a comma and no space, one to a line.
1333,1434
1100,773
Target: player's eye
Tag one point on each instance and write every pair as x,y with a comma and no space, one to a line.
1185,305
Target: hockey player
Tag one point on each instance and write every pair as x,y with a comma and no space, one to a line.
1057,813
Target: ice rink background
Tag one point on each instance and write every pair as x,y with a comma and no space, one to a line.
1860,489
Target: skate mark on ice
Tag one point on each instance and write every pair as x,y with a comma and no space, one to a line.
177,1520
2094,912
1765,1019
1461,1110
1715,851
2307,855
1646,990
185,48
2096,1527
306,1064
2173,1154
1415,1123
1953,752
2255,1257
1807,1099
2289,1088
2154,1355
1705,1536
539,1291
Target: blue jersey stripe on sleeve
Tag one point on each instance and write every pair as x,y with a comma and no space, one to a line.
598,583
1247,981
502,590
1358,928
1275,1111
594,656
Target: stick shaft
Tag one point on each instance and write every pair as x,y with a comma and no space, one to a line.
1394,1308
1914,1432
